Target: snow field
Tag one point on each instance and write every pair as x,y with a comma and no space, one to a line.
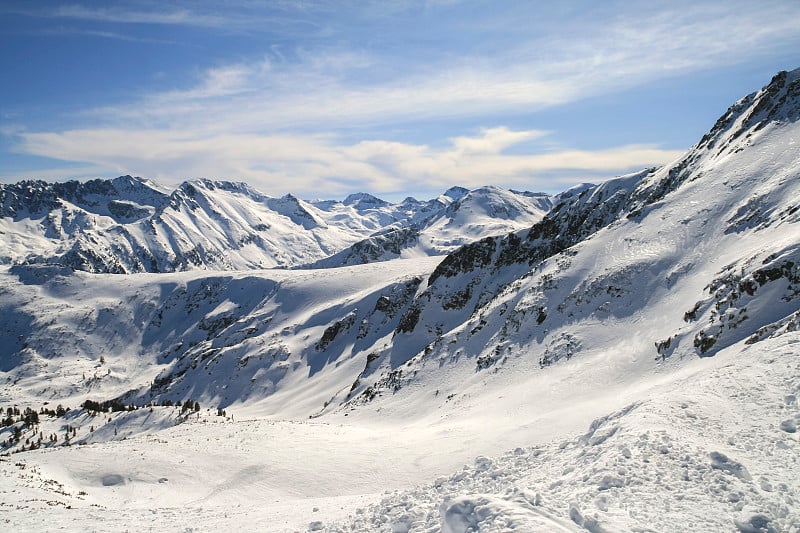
707,448
707,451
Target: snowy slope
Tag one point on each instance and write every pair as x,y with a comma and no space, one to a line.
220,338
699,254
711,449
635,351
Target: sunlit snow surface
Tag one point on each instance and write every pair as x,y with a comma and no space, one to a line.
700,445
645,378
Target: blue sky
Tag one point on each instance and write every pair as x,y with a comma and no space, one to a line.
324,98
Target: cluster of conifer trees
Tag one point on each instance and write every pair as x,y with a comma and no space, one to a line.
26,420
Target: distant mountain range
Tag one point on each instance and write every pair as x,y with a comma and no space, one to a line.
129,225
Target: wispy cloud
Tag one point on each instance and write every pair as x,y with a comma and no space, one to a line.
103,34
280,17
342,87
123,15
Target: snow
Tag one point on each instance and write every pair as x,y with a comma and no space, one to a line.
702,446
641,377
463,217
698,450
130,225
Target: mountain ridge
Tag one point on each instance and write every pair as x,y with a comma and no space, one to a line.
460,291
503,292
129,225
511,277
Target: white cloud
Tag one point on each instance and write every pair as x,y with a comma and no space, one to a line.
287,18
308,165
493,140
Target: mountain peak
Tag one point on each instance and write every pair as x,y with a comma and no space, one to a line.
455,193
776,102
136,184
364,200
779,101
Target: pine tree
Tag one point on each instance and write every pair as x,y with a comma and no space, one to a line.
31,417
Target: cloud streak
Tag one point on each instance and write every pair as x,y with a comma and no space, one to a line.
123,15
288,18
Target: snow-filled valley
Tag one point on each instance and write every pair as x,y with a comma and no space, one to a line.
618,357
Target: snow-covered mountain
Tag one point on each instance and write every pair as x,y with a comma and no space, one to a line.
466,216
660,310
715,233
129,225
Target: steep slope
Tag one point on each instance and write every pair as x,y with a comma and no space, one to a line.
719,227
695,256
698,255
